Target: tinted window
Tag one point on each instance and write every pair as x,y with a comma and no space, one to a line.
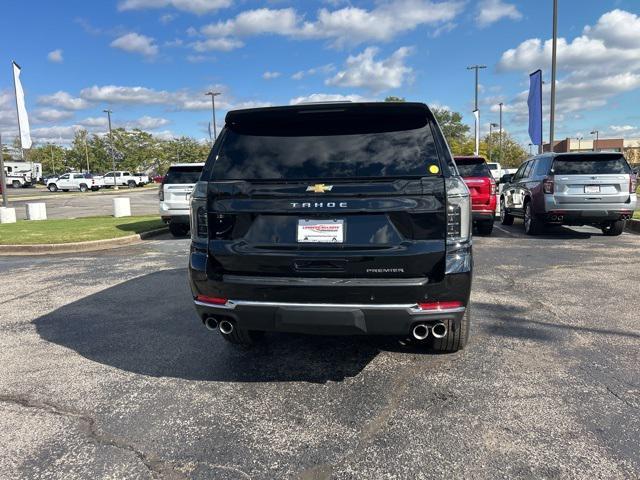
323,148
518,175
543,166
493,166
473,168
186,174
590,164
527,171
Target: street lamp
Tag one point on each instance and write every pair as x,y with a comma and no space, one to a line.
530,151
213,109
501,154
579,138
597,134
491,127
476,111
554,48
113,153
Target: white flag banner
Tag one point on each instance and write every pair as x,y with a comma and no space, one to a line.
23,119
476,114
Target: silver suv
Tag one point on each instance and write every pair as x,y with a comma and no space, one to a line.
570,189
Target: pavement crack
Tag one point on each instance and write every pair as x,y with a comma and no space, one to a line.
156,467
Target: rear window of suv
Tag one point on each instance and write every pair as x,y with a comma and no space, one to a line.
317,146
473,167
590,164
185,174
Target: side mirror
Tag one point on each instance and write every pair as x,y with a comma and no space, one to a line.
506,178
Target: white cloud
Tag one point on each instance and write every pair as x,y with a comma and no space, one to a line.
323,69
64,100
491,11
148,123
270,75
136,43
167,18
122,94
55,56
51,115
623,128
200,58
593,68
364,71
221,44
344,26
327,97
193,6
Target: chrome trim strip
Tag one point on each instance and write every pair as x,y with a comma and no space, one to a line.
326,282
411,309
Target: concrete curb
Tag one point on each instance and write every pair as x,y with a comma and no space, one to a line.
633,226
77,247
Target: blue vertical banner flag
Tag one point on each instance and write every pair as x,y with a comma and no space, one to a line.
535,107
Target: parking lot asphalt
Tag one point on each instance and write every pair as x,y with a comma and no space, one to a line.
73,205
107,373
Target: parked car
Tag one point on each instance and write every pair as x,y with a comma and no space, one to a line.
571,189
482,187
496,170
123,178
175,195
348,219
141,178
75,181
158,178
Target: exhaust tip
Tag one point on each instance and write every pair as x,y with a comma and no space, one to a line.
420,331
226,327
211,323
439,330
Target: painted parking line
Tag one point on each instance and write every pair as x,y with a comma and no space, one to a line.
504,230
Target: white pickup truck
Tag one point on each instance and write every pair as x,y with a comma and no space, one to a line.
75,181
124,178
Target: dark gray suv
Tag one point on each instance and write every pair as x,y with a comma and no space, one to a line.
570,189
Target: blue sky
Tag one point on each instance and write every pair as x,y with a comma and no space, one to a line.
152,60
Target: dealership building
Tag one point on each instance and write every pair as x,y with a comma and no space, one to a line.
630,146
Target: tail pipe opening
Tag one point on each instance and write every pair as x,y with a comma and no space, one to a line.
226,327
439,330
420,331
211,323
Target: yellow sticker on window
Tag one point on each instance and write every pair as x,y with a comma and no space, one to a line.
434,169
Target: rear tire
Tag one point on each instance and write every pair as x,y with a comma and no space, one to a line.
243,337
485,227
505,218
83,188
131,184
532,224
613,229
457,335
16,184
52,187
178,229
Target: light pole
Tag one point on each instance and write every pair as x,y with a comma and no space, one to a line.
530,151
476,111
3,181
552,122
579,138
113,153
501,154
491,127
53,163
597,134
213,112
86,152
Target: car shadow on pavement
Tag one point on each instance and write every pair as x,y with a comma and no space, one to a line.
148,326
511,321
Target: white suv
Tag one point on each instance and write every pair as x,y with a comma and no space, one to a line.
175,195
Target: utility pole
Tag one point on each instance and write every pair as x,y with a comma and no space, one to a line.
491,127
597,134
53,163
554,50
579,138
113,152
476,111
213,112
3,181
501,153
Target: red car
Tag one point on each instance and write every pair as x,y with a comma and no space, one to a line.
476,174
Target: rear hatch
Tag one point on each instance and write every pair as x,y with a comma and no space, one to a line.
178,185
587,179
476,174
333,193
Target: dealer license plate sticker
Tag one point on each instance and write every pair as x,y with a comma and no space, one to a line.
592,189
320,231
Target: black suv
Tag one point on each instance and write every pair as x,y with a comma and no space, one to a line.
333,219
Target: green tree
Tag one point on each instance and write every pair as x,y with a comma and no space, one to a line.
452,127
512,155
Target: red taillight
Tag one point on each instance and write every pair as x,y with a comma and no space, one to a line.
547,185
439,305
493,188
633,183
213,300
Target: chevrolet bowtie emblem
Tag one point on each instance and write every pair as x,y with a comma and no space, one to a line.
319,188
